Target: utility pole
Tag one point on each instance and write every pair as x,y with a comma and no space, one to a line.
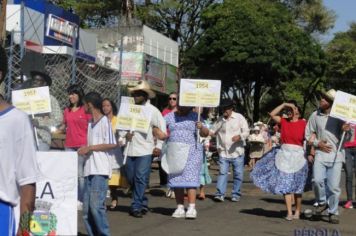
3,22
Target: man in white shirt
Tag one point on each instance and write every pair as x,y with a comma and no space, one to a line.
18,166
231,131
140,150
97,167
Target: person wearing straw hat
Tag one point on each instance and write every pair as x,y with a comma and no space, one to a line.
328,159
256,142
142,147
231,130
18,163
45,122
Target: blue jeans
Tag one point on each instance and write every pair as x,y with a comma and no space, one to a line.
138,173
81,162
331,172
94,209
238,174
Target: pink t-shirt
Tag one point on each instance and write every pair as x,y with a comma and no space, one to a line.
77,127
166,111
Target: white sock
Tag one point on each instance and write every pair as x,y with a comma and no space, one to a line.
191,205
180,206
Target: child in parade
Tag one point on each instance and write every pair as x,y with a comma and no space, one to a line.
97,167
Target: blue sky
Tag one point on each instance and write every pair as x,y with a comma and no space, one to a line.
345,12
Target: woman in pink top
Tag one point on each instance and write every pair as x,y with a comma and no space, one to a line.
75,124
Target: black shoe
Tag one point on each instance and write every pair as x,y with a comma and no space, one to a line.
334,219
144,210
136,214
320,209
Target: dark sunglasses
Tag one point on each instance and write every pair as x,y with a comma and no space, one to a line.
174,99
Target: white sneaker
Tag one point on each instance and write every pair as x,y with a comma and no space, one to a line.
179,213
191,213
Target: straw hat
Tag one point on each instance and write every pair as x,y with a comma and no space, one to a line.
258,123
144,86
256,128
329,95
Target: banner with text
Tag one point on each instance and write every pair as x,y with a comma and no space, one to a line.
134,117
56,195
199,93
344,107
32,100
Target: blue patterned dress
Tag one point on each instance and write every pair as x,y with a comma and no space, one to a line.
183,129
283,170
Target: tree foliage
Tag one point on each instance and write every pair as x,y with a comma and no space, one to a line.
311,15
341,52
98,13
179,20
253,47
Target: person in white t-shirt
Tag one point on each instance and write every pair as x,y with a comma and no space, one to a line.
97,167
18,166
141,149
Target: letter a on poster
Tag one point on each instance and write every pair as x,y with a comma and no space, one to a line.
199,93
56,194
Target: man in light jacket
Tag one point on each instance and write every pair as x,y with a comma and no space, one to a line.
327,161
231,130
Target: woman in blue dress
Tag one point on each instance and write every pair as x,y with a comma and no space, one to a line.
284,170
183,126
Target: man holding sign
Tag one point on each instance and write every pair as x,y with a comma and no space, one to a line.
18,166
44,122
140,149
328,159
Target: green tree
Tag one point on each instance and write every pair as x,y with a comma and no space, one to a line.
311,15
341,53
253,47
179,20
98,13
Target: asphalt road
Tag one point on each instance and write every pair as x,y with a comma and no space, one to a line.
256,214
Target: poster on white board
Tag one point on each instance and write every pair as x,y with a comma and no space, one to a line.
56,195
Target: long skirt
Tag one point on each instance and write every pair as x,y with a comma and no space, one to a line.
283,170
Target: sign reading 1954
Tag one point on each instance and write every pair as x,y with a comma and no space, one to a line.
61,29
202,85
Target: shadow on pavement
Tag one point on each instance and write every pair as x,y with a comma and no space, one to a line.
264,212
162,211
157,192
120,208
281,201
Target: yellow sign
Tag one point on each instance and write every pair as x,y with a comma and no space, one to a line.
199,93
344,107
33,100
134,118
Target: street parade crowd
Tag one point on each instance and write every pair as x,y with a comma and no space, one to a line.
287,157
